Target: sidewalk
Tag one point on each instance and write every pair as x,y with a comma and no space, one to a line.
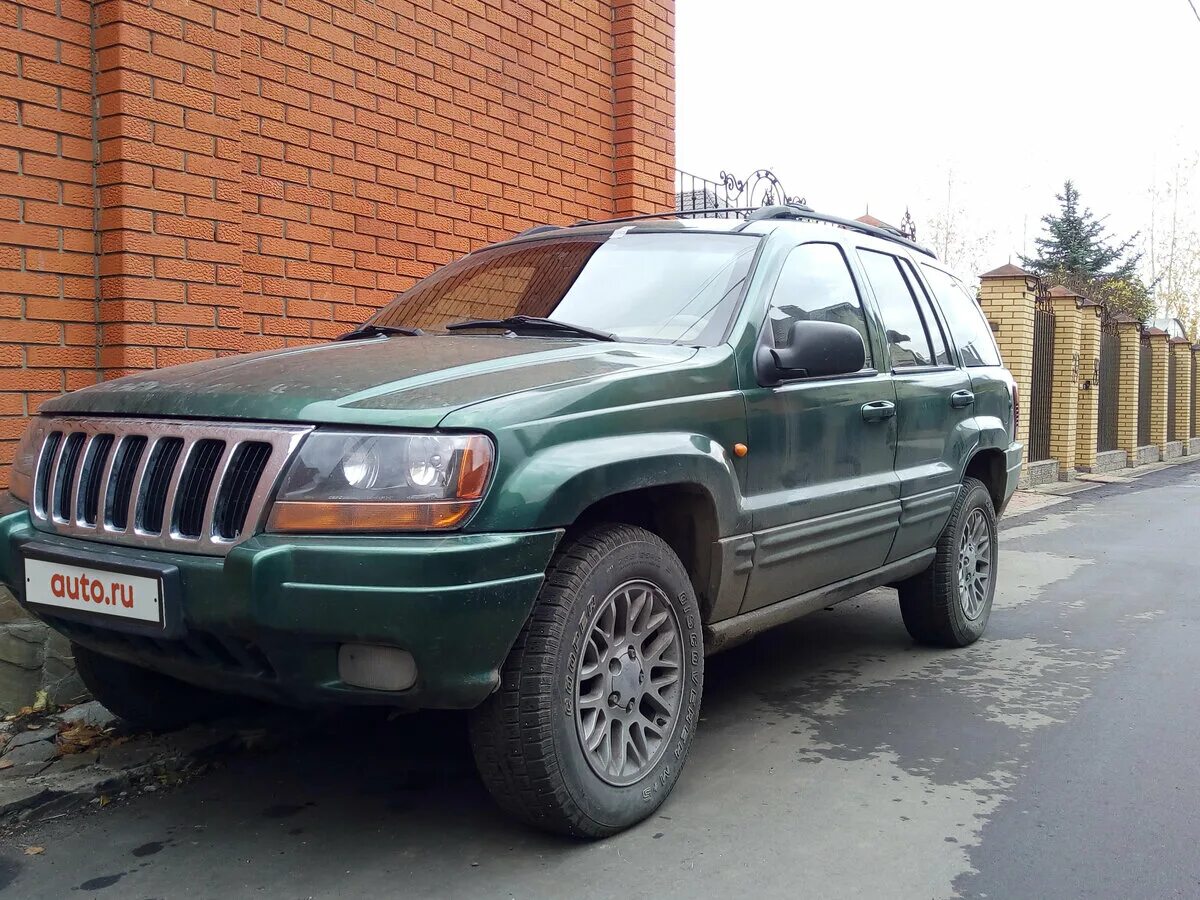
1043,495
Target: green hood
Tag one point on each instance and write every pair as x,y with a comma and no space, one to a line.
411,381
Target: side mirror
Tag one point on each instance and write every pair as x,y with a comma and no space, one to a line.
814,349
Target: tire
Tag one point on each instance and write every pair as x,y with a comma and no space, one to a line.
528,737
143,698
931,603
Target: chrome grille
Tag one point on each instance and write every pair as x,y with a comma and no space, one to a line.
199,487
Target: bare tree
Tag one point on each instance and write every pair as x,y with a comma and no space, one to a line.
1174,246
950,233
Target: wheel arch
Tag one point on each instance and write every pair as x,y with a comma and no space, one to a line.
684,514
988,466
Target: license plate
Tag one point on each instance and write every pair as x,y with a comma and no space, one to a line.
93,589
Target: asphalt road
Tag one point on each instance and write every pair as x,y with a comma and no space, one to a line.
1058,757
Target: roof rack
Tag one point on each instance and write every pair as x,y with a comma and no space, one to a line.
796,211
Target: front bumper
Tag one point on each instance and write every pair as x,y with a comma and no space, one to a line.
267,619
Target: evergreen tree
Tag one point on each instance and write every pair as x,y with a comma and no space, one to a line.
1078,253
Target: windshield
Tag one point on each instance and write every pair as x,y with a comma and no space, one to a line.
678,287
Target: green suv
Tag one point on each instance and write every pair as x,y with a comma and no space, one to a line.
541,485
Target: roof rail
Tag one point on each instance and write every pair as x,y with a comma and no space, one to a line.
536,229
796,211
786,211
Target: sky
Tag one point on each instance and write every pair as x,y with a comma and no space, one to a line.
886,104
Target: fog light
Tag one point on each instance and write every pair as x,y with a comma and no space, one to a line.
375,667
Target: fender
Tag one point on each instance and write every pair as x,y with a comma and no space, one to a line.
551,487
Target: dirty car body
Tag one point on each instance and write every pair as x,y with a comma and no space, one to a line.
409,490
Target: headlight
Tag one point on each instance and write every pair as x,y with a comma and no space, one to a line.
355,481
21,479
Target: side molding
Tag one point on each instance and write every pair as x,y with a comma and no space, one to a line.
731,632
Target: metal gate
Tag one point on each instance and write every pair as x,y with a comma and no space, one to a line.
1041,390
729,196
1172,394
1110,389
1145,377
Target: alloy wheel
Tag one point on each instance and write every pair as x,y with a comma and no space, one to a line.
974,565
628,682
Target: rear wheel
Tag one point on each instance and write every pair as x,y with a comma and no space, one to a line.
141,697
599,697
948,604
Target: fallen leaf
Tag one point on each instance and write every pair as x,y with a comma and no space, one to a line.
78,738
34,851
6,763
104,801
41,701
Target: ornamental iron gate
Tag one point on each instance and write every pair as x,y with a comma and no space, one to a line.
1172,393
729,196
1041,390
1145,376
1110,390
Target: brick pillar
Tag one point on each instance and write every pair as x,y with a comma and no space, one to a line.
644,105
1008,295
1181,351
1130,332
1195,394
1064,405
1088,414
168,96
1159,348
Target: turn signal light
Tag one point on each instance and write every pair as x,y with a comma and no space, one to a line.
327,517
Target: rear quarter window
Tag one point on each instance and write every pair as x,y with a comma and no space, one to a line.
968,326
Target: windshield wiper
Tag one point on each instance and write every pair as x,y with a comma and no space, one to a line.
527,324
367,331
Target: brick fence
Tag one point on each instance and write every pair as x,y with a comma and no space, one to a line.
1167,406
185,179
181,179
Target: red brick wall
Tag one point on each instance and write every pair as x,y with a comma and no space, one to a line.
47,241
186,178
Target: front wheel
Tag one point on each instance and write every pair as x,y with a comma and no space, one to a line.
599,697
948,604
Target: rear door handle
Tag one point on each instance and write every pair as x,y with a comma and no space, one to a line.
961,399
878,411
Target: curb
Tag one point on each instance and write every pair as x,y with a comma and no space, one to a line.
48,776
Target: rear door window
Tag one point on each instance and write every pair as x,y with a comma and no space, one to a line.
941,351
968,326
906,337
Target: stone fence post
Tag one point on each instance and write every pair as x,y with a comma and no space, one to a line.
1007,296
1064,404
1194,434
1088,416
1160,346
1129,330
1181,411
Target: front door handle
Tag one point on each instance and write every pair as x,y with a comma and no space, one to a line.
961,399
878,411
